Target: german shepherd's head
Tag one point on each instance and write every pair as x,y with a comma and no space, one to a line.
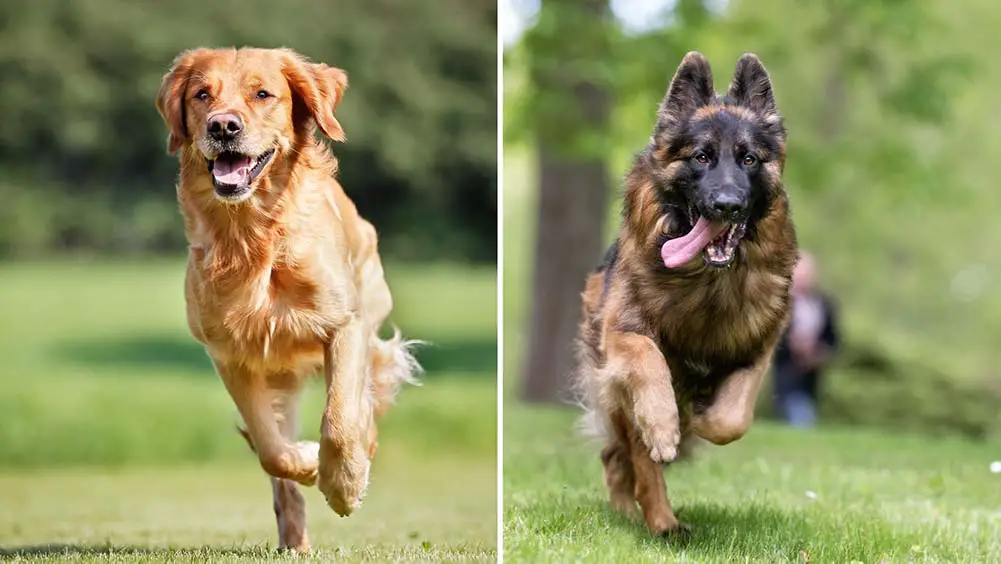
717,160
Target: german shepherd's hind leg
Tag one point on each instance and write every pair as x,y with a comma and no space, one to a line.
637,372
651,492
620,478
731,412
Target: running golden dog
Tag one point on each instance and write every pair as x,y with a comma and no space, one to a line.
284,277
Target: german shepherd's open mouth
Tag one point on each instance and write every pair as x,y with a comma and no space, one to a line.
717,239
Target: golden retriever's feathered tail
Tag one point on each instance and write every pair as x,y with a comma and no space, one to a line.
393,365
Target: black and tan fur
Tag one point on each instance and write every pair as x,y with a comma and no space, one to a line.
668,355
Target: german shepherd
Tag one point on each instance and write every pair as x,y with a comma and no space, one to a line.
681,319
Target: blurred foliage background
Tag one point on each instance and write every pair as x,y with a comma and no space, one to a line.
82,161
891,170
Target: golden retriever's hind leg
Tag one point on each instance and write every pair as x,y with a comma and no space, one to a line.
290,512
289,505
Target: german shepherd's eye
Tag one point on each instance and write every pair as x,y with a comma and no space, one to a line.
702,158
749,160
202,94
263,94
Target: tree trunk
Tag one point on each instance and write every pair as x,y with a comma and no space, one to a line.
573,203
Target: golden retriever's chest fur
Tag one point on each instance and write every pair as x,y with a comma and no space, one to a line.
269,311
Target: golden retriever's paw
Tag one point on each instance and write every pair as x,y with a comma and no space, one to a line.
309,453
294,549
343,477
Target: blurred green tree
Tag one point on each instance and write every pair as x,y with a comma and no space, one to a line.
569,48
82,147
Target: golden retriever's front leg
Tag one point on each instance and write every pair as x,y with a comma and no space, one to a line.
289,505
344,461
279,457
732,409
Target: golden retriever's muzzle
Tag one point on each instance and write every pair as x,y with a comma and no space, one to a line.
233,170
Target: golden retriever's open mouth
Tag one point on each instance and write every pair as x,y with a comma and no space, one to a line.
234,173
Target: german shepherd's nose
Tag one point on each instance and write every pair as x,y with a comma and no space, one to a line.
729,204
224,127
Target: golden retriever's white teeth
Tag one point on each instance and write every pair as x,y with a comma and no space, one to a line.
232,169
235,172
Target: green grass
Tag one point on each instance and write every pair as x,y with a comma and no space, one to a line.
118,439
877,498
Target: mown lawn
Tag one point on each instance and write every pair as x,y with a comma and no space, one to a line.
117,439
778,495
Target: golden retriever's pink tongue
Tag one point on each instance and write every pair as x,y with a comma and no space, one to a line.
680,250
234,171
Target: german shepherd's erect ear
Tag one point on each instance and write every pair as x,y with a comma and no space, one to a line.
690,89
752,88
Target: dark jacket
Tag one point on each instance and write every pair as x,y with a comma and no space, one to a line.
788,378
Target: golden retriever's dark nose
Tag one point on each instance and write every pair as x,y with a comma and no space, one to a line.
225,127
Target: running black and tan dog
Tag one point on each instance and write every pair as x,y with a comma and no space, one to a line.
681,320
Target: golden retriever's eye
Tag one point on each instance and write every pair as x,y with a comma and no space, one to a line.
702,158
263,94
749,160
202,95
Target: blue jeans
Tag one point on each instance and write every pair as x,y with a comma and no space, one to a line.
798,409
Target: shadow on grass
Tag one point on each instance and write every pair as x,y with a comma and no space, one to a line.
459,355
758,531
76,550
470,356
149,351
744,530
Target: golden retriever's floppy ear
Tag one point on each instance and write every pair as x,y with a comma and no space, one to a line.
320,88
170,100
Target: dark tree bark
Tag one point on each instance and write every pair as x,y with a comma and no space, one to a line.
573,193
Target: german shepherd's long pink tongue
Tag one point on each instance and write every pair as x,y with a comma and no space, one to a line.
680,250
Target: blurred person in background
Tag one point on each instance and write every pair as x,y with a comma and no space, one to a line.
806,347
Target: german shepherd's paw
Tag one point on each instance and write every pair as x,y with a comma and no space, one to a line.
343,476
660,432
680,532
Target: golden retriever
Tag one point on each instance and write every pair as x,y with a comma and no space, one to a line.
284,276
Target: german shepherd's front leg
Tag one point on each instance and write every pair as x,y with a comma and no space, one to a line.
344,462
637,369
639,378
731,412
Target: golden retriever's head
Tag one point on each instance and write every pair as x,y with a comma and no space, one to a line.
241,109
